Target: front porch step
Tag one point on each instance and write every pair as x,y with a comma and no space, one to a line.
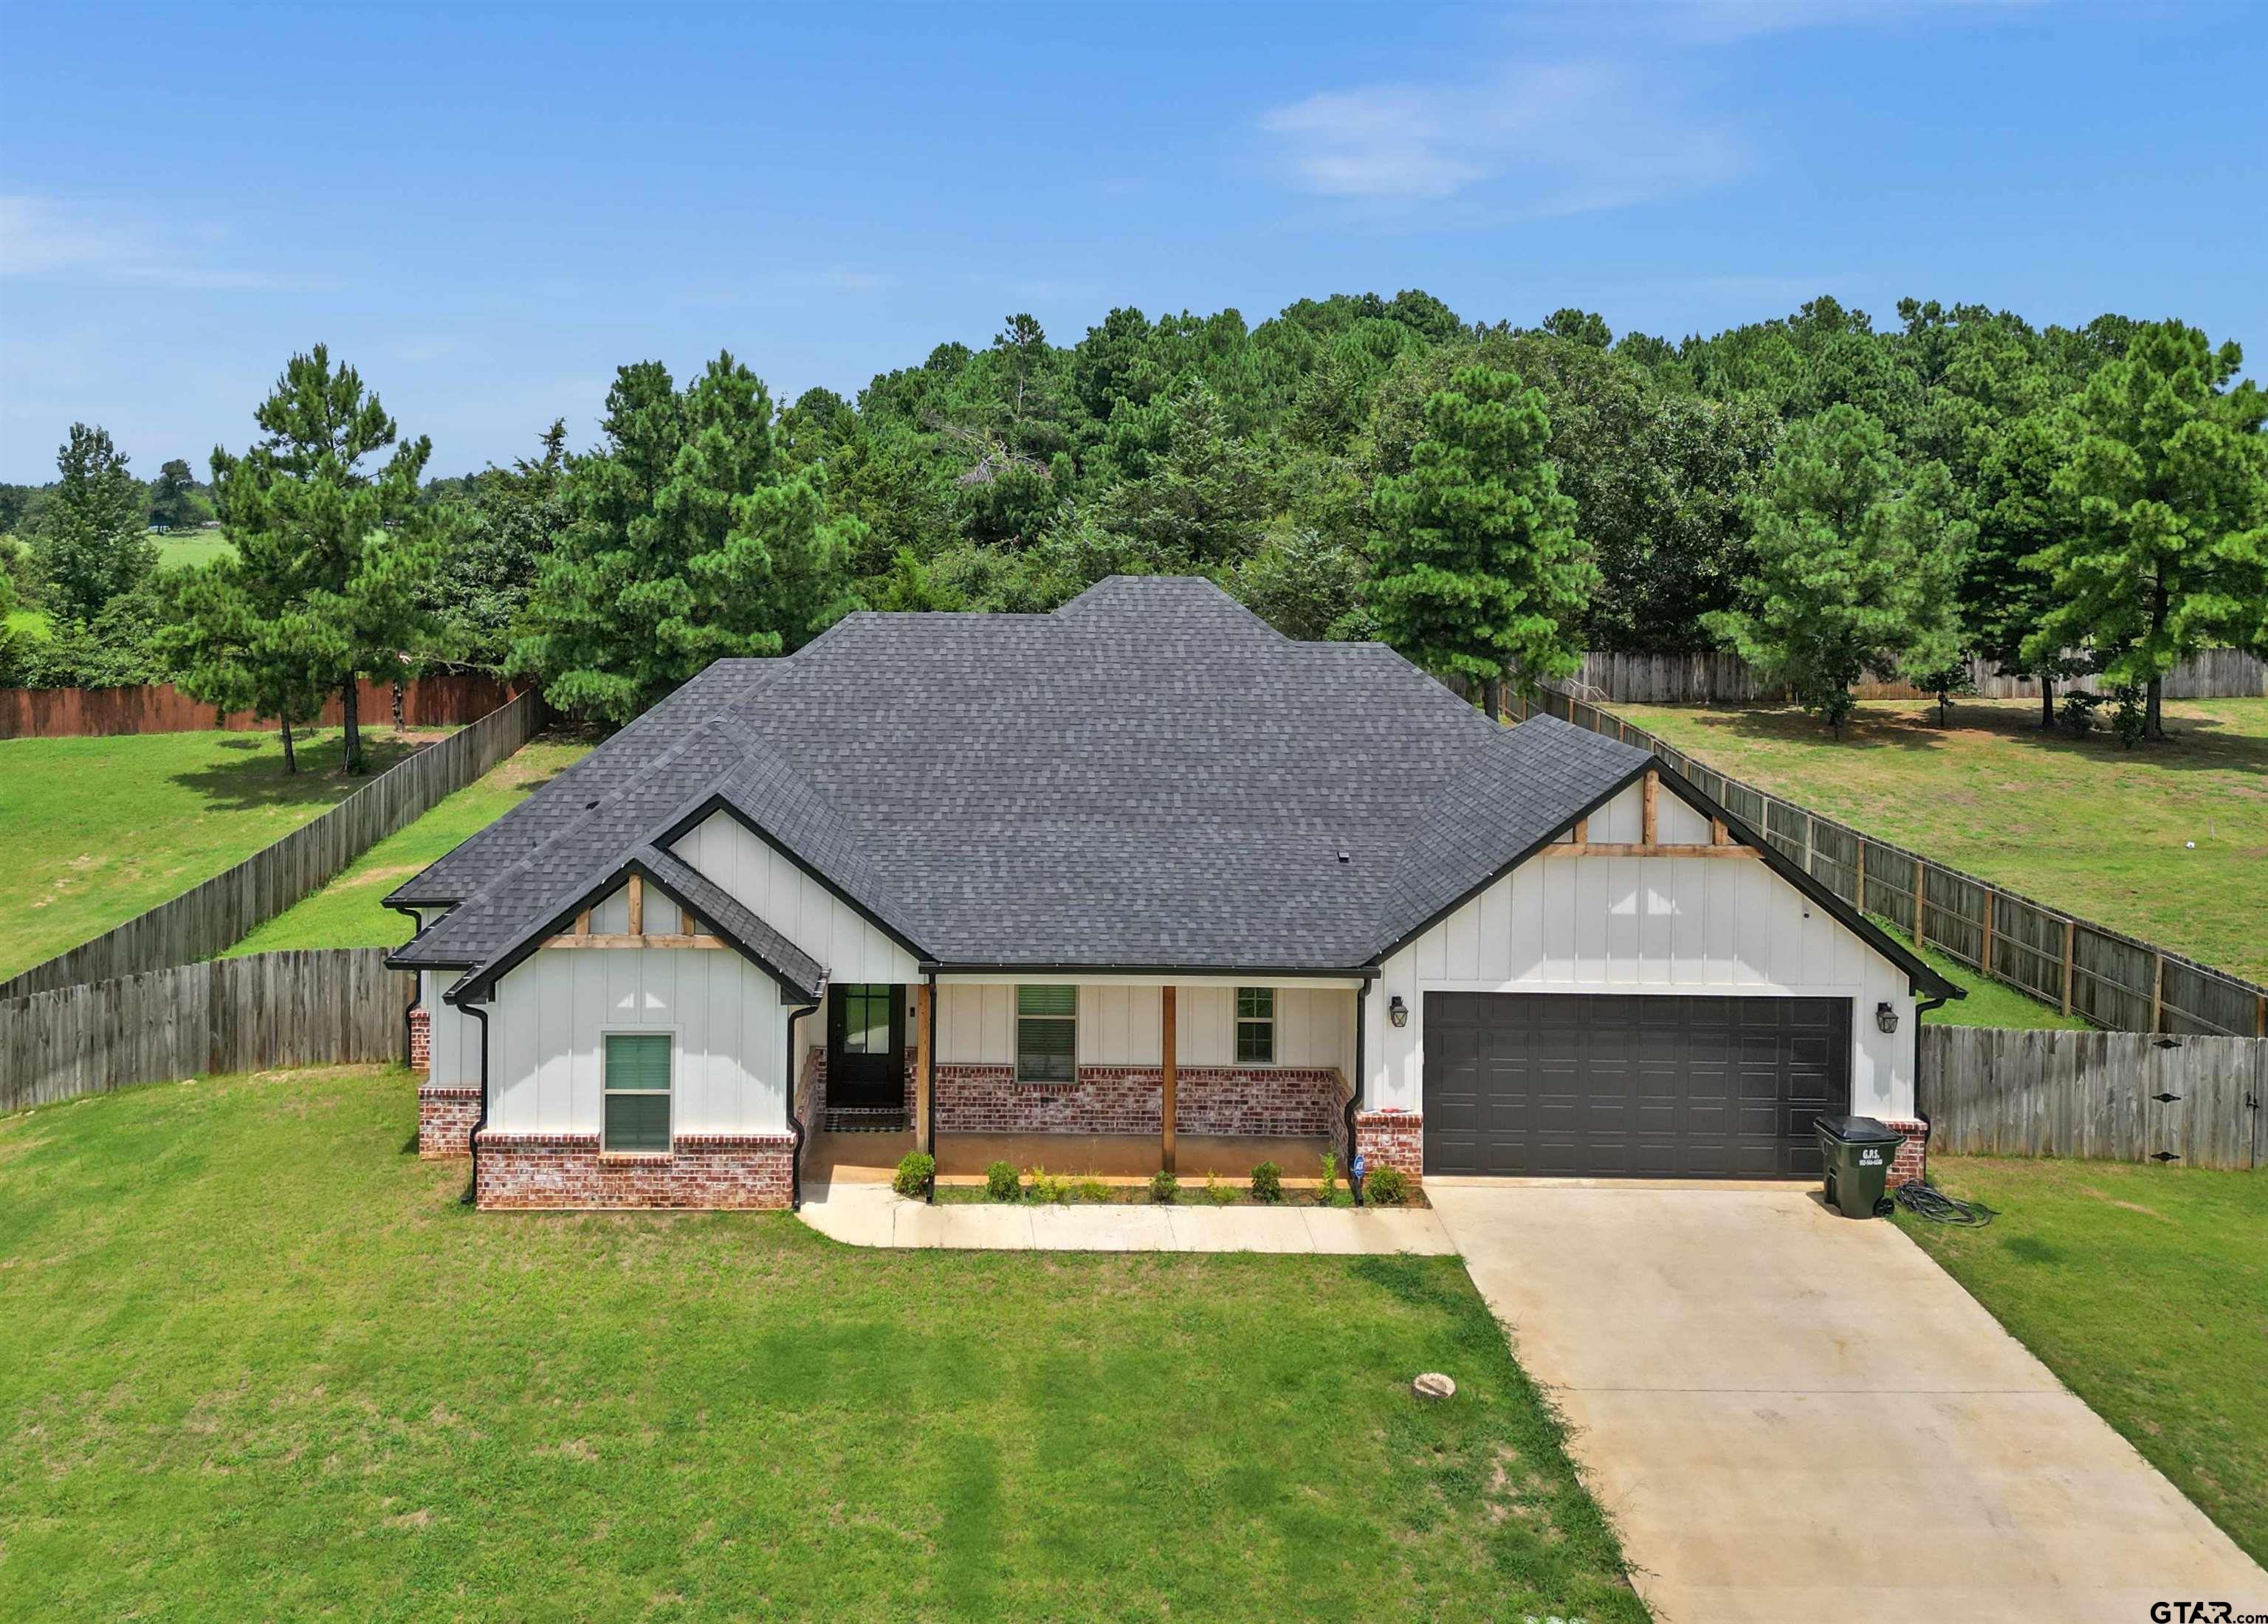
862,1120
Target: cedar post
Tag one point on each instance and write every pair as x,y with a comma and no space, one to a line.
2157,991
1921,871
1651,794
925,1029
638,904
1169,1090
2069,945
2260,1017
1861,898
1990,894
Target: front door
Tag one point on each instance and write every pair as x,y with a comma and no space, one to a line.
866,1047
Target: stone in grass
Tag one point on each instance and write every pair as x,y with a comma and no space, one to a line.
1434,1384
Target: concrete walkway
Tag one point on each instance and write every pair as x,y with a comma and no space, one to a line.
1793,1417
871,1214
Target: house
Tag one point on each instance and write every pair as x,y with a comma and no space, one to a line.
1142,866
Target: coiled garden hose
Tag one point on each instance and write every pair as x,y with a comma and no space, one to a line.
1939,1208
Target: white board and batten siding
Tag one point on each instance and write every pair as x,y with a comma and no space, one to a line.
1645,925
1123,1025
850,946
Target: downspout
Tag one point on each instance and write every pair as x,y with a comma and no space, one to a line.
795,1013
929,1105
1354,1095
473,1189
1928,1127
416,987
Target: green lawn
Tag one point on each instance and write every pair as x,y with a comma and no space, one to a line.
2078,824
350,912
257,1361
1989,1004
2146,1289
94,831
193,549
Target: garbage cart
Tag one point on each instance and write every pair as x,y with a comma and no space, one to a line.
1857,1152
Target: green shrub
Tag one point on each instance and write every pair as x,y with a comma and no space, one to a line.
914,1173
1090,1190
1045,1186
1327,1195
1163,1187
1001,1183
1385,1187
1268,1183
1218,1194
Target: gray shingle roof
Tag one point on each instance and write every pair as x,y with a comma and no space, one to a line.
1150,776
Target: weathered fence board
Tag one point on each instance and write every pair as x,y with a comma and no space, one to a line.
442,699
2117,1096
209,918
322,1006
2089,970
1723,678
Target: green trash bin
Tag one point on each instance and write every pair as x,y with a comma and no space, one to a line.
1857,1151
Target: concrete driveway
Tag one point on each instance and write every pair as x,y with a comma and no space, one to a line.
1793,1416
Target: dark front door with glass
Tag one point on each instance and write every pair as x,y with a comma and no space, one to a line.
866,1047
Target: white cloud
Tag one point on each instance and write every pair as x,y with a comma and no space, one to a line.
41,237
1556,138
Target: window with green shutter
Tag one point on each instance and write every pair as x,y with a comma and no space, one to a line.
637,1091
1046,1034
1255,1025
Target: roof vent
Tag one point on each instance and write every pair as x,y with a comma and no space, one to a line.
1346,855
589,806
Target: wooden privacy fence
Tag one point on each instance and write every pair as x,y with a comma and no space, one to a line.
2120,1096
441,701
1721,676
209,918
2085,969
319,1007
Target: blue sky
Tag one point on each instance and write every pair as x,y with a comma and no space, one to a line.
489,209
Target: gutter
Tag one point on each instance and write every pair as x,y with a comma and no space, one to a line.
473,1189
795,1013
1354,1097
417,983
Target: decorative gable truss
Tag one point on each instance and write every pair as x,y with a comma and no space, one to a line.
635,916
1678,835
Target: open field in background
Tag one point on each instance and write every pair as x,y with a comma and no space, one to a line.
350,912
2146,1289
94,831
192,548
2083,824
258,1359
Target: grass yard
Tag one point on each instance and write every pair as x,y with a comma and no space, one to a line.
1989,1004
350,912
193,549
2146,1289
2078,824
94,831
259,1362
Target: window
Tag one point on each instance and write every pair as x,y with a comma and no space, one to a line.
637,1091
865,1018
1046,1034
1255,1025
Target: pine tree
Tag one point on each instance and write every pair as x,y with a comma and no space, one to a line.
2169,481
1854,559
90,547
333,559
687,541
1477,572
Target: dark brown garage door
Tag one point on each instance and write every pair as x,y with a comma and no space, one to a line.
1549,1084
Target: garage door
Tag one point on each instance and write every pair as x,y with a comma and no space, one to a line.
1550,1084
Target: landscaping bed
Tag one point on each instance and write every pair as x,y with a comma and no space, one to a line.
258,1361
2145,1289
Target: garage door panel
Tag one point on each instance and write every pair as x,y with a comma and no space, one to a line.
1617,1085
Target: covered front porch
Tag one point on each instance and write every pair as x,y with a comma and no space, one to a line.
1087,1075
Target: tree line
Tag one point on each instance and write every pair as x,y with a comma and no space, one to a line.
1823,497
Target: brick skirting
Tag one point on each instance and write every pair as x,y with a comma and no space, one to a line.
1392,1139
446,1115
421,1041
523,1172
1267,1101
1912,1159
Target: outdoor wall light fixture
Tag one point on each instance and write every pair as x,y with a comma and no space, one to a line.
1885,1017
1397,1011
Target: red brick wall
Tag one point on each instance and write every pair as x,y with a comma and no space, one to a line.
813,1085
1912,1160
421,1041
1392,1138
523,1172
445,1115
1129,1100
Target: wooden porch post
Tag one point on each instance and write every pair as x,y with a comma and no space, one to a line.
926,1028
1169,1090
